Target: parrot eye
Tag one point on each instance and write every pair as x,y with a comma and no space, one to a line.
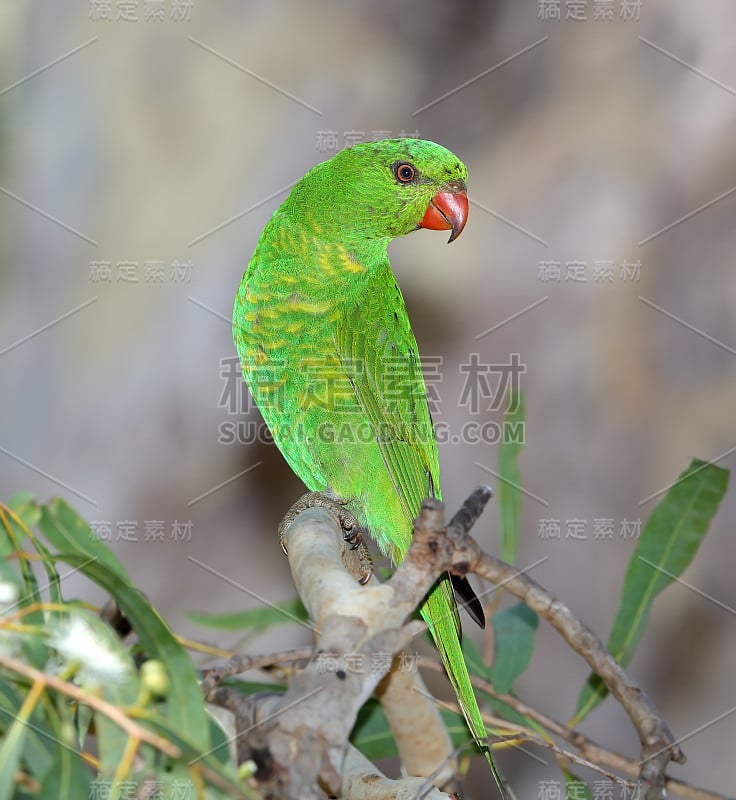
404,172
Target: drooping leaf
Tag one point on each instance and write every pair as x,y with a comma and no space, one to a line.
11,750
509,493
24,515
67,776
668,543
11,545
371,734
255,687
220,747
575,788
477,666
216,755
24,581
69,533
256,619
39,738
21,498
513,636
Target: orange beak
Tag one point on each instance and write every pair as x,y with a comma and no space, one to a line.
447,210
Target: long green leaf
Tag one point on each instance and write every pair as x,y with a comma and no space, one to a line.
576,789
669,541
513,637
371,734
67,776
217,755
69,533
254,687
254,618
509,477
11,751
477,666
11,540
28,514
37,750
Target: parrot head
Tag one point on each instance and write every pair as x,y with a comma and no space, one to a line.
384,189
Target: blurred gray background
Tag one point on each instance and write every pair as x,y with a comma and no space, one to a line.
144,145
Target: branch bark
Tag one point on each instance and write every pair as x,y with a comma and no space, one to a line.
658,745
358,631
303,744
591,751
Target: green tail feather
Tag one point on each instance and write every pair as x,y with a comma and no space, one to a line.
440,613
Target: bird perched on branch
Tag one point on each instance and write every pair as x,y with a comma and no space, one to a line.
330,358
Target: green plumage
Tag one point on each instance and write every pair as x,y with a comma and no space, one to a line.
330,358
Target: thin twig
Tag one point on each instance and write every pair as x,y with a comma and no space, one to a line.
518,732
590,749
658,744
338,604
214,676
112,712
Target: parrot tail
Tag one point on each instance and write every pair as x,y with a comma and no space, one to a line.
440,613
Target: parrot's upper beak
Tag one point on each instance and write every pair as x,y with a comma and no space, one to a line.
447,209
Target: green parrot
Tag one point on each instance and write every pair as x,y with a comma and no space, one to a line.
330,358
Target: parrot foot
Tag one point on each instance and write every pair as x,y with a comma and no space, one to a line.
347,521
352,533
366,561
353,537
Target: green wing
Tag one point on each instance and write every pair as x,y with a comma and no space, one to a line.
381,360
379,353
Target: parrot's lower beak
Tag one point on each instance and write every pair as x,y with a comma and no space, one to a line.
447,209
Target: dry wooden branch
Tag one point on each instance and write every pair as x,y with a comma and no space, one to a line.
362,781
425,747
658,745
359,629
590,750
305,739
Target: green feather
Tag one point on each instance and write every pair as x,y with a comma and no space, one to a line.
330,358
